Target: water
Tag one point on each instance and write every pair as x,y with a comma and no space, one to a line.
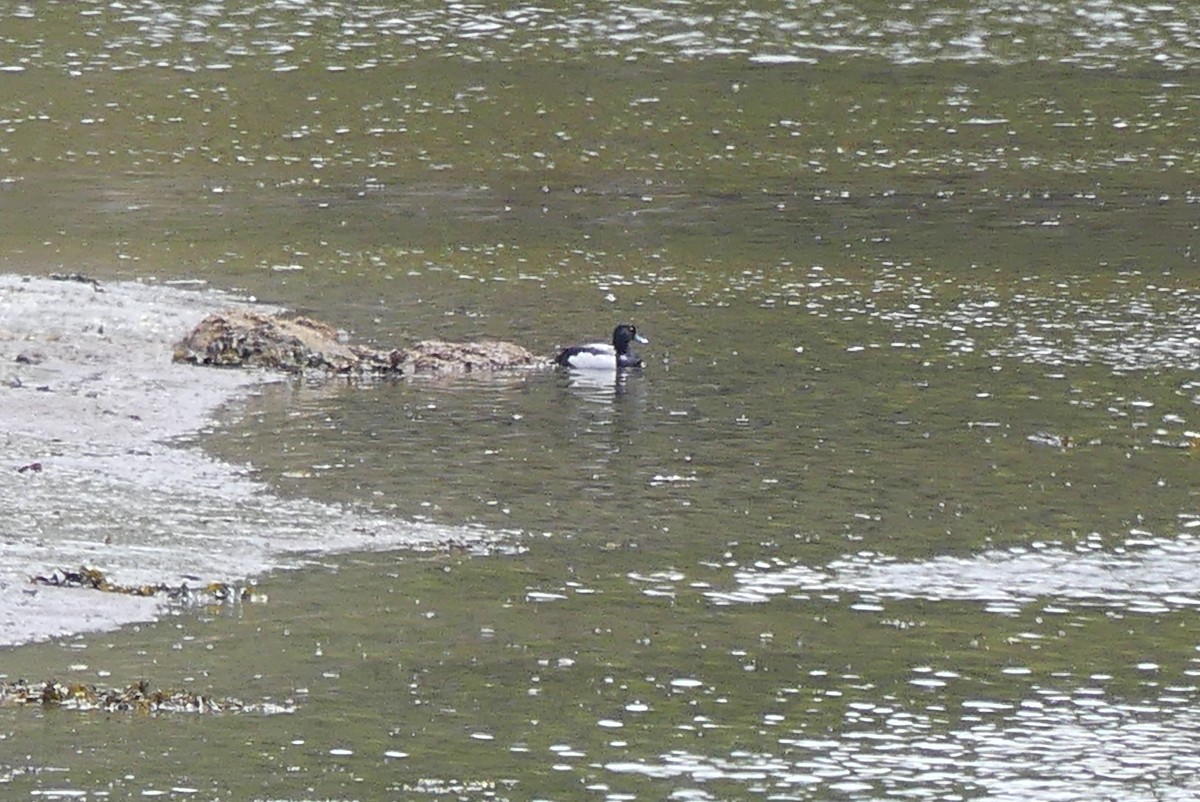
901,506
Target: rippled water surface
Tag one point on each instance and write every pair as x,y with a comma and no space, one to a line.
902,505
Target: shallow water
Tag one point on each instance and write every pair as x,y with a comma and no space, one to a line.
902,505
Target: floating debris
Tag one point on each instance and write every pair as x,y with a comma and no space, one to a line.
138,697
94,579
1051,439
242,338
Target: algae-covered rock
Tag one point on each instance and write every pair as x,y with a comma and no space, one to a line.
240,338
437,356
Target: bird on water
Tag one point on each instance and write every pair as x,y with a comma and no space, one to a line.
613,356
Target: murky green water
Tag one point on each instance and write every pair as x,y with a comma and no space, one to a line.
900,507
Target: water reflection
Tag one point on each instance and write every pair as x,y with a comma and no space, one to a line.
1050,745
350,36
1146,574
606,387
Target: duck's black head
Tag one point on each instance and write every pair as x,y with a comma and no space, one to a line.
623,335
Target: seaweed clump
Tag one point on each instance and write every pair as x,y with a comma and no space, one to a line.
94,579
137,697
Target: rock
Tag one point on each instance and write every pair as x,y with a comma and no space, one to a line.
31,358
437,356
241,338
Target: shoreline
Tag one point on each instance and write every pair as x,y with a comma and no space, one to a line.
104,424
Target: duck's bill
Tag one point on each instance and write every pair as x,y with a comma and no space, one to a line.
641,339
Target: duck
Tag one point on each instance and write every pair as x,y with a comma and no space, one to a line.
603,356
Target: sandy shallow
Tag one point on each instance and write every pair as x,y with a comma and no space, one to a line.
88,391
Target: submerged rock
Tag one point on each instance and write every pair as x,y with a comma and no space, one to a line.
241,338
